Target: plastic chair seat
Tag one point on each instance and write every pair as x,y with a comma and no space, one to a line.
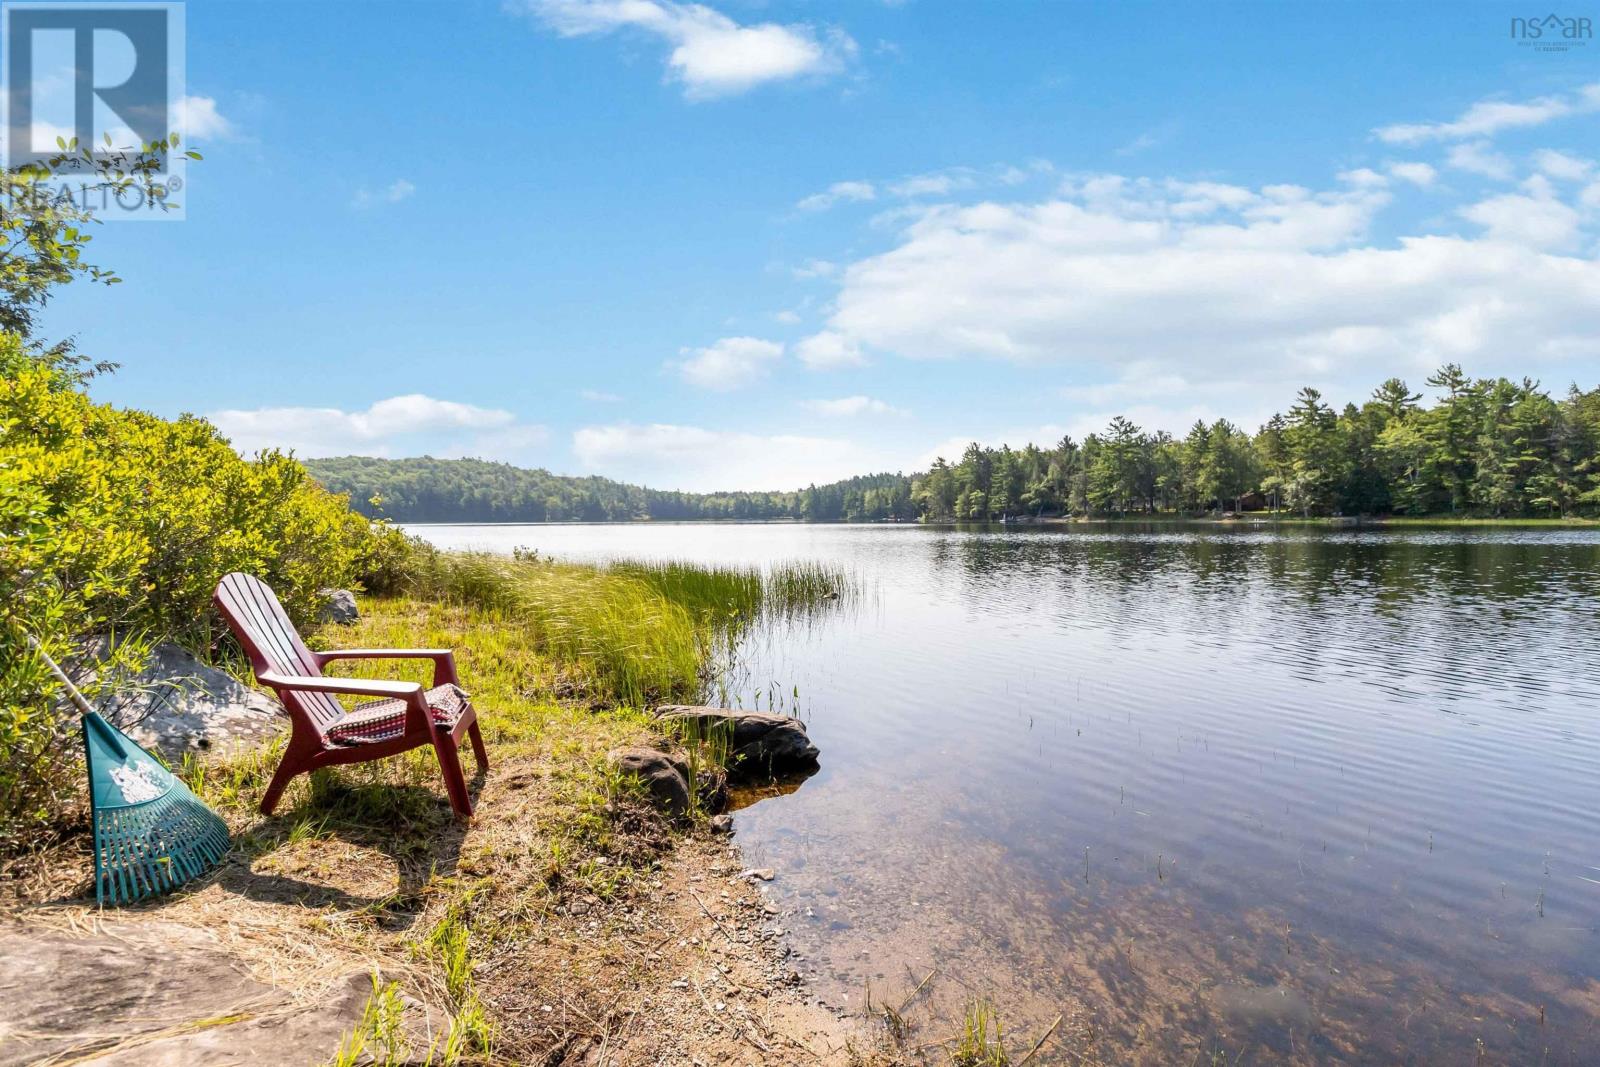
384,720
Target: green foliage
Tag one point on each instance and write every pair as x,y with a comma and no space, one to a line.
633,632
1490,447
980,1043
474,490
119,522
378,1037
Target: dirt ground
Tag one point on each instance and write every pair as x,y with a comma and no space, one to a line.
685,965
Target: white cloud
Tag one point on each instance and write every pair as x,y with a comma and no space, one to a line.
1563,166
731,363
1534,217
1363,178
712,55
197,118
787,317
396,191
1488,117
838,191
401,425
829,350
1419,174
932,184
695,459
1478,157
816,268
849,406
1218,283
599,396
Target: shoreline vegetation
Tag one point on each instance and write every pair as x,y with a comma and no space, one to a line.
570,919
1488,448
569,922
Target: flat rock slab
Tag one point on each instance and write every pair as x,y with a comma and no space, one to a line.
162,994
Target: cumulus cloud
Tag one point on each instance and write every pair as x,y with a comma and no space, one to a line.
401,425
829,350
1489,117
1212,281
1562,166
198,118
1419,174
849,406
1478,157
729,364
838,191
712,55
700,460
1533,217
1363,178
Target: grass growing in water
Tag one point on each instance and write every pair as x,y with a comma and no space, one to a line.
639,631
980,1042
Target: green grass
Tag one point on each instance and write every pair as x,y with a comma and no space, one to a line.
628,642
636,632
980,1042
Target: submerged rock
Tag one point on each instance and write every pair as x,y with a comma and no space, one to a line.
759,745
340,607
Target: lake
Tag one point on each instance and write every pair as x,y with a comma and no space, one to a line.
1288,795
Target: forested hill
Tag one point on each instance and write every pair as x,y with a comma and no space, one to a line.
1485,447
474,490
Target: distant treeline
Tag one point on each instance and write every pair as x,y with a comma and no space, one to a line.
1488,447
475,490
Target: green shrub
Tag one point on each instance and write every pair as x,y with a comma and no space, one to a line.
118,522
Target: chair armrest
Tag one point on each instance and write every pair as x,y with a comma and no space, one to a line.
380,653
444,659
355,686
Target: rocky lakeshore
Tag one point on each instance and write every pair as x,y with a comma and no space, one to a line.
573,921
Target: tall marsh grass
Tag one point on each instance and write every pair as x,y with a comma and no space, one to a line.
640,631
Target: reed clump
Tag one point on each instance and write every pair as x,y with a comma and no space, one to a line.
638,631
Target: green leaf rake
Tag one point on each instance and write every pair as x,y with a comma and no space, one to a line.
151,834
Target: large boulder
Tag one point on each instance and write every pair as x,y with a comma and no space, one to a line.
665,776
759,745
670,780
339,606
177,704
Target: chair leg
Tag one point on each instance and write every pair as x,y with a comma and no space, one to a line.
478,751
286,771
455,783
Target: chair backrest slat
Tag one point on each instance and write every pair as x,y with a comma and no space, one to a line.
271,642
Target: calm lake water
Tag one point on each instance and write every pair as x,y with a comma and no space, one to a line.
1304,796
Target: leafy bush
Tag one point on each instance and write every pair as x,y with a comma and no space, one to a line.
118,522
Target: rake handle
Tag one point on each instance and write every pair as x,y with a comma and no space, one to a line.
61,676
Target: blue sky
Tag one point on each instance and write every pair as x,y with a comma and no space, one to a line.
753,245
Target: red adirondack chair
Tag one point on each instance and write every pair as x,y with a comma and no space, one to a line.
324,734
